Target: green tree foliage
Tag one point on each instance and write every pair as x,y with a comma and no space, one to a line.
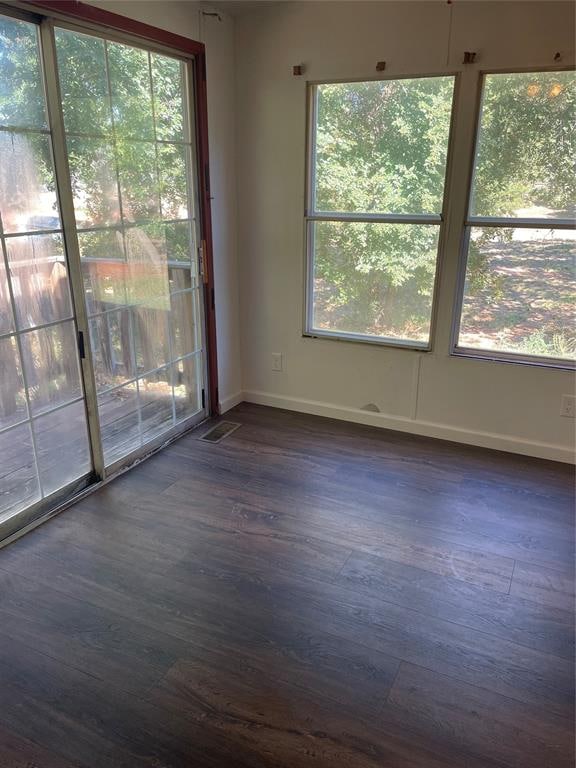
527,144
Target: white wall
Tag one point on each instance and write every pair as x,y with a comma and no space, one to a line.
185,18
501,405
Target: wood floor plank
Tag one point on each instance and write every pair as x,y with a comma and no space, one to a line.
472,656
16,752
236,510
521,621
475,722
455,519
458,467
94,724
96,640
281,720
291,649
549,586
177,536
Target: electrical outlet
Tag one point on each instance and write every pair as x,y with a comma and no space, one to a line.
277,362
568,406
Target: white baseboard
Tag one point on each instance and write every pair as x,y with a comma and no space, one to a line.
414,426
229,402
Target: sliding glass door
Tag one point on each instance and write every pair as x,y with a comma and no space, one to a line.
99,234
129,146
44,442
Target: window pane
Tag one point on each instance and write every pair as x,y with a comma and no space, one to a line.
374,279
184,324
27,187
131,91
39,278
6,314
526,147
65,428
104,285
119,422
151,337
111,340
179,241
147,270
167,81
173,180
155,393
21,90
187,379
520,292
181,279
139,184
12,395
103,244
382,146
51,366
84,84
94,184
18,479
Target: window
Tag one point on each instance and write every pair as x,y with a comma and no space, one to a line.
375,201
517,298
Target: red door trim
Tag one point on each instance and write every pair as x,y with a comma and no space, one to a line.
191,48
91,13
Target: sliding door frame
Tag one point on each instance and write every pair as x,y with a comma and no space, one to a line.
91,20
72,249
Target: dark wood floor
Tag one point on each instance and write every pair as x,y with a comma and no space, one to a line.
305,593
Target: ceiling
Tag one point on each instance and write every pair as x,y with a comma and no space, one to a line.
237,7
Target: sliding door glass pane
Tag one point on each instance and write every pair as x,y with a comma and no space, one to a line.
28,183
13,403
130,151
22,95
66,426
43,436
19,483
40,283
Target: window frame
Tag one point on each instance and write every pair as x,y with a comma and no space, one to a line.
311,215
468,222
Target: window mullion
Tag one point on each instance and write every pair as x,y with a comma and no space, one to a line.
377,218
513,223
68,219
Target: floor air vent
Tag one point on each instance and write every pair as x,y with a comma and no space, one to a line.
220,431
